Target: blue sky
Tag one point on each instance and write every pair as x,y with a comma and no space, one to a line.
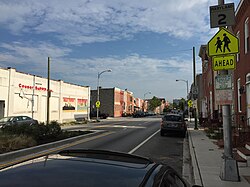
147,44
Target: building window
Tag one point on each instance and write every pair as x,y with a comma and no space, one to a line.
248,78
239,96
238,54
246,33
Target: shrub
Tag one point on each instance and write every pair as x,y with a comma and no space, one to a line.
14,142
53,129
39,132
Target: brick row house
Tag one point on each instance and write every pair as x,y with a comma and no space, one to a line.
242,71
115,102
210,111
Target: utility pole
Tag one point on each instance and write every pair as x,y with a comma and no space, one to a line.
48,91
229,169
32,100
194,87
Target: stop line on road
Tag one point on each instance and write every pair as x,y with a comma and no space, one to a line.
120,126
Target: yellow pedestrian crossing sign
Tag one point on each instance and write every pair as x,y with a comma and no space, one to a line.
190,103
223,43
98,104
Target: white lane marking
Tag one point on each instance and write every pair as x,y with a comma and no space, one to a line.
138,146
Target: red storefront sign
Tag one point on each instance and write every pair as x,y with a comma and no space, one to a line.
39,88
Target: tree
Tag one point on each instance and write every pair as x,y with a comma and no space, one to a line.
182,104
153,103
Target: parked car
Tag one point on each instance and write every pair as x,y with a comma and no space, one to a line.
17,120
101,115
91,168
173,123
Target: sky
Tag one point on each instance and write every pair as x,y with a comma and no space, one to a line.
147,44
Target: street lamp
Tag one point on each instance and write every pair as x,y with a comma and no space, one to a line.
186,81
146,94
33,94
144,100
98,92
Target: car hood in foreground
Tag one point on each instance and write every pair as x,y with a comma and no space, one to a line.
65,170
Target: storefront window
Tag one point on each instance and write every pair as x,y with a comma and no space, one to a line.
246,32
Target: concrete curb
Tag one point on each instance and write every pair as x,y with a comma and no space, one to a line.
196,174
33,150
187,169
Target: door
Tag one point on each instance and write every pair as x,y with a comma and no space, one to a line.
2,107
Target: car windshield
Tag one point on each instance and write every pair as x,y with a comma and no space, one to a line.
172,118
6,119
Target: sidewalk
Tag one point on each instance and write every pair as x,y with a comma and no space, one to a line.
207,160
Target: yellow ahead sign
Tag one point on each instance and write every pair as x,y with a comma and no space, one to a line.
224,62
223,43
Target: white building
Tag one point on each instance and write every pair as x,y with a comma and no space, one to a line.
17,90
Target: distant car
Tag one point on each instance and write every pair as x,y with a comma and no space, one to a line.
91,168
17,120
138,114
173,123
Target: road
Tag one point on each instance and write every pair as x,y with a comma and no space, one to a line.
138,136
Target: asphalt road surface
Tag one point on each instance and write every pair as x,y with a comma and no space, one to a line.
138,136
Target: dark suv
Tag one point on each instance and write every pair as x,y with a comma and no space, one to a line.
173,123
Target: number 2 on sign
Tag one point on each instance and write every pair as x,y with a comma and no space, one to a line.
222,18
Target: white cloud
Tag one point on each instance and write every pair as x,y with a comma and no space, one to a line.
30,54
135,72
99,21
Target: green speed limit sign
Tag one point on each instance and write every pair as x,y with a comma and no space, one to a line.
98,104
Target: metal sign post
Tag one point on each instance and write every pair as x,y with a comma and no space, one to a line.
224,43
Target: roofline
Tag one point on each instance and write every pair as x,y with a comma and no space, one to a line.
43,77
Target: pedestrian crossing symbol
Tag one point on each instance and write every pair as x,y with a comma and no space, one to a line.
98,104
223,43
190,103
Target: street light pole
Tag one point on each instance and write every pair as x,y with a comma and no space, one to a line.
33,95
144,96
186,81
98,91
